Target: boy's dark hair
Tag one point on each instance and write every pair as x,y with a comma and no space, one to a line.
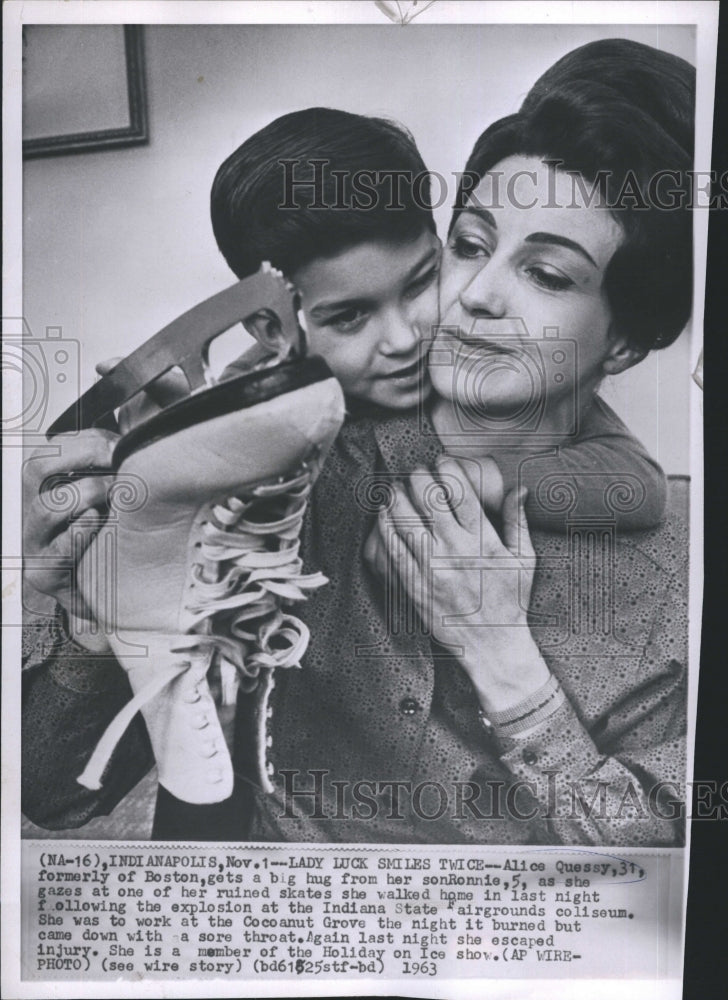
622,115
314,183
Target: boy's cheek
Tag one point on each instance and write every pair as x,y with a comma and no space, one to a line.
447,291
426,324
428,313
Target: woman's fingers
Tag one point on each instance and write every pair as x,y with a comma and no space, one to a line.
104,367
86,527
163,391
515,526
91,449
405,513
78,496
374,552
65,494
486,479
57,488
168,388
404,542
70,545
463,512
56,508
135,411
437,499
463,499
62,498
50,566
390,558
447,505
476,601
398,536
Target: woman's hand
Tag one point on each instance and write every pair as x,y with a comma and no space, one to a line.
65,497
470,588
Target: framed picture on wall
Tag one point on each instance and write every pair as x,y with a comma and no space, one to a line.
83,89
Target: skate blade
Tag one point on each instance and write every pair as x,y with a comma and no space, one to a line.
185,342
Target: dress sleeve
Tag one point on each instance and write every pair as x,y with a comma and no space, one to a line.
619,776
604,473
69,697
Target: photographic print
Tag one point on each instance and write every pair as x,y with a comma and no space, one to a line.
356,439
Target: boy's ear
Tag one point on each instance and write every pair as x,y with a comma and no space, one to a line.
621,356
267,329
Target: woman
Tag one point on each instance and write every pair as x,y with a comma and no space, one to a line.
615,281
581,717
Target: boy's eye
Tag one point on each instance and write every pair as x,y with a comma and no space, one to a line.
468,247
553,281
348,321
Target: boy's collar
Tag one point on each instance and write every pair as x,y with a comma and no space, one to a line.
359,409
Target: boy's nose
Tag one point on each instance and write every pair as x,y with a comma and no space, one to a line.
402,334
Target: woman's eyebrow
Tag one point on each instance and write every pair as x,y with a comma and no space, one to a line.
553,239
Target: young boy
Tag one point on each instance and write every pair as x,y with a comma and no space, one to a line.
338,202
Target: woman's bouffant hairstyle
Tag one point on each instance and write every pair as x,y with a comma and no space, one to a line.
314,183
622,115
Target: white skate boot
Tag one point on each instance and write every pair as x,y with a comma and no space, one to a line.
198,582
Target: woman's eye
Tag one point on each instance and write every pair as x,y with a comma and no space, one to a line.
468,248
553,281
348,321
419,285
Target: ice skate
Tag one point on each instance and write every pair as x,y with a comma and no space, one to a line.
198,583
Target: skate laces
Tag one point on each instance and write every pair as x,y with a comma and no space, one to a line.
248,570
240,562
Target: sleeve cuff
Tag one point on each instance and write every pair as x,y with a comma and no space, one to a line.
528,714
559,744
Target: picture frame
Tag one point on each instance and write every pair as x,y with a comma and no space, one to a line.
55,87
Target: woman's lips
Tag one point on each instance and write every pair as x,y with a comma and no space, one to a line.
493,346
472,343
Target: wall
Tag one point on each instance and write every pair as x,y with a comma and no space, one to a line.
119,243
